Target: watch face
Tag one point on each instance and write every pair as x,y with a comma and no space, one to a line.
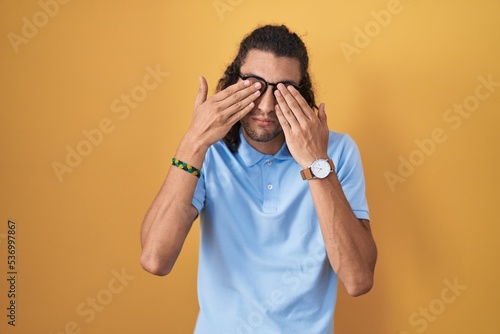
320,168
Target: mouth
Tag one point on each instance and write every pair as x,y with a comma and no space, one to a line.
264,121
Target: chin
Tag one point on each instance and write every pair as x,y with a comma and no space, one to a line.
260,135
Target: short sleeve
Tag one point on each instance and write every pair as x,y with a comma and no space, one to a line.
199,193
349,170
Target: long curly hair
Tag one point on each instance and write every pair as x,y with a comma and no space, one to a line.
280,41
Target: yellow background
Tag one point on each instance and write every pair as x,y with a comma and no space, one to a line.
74,236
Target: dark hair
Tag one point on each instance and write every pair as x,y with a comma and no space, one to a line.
280,41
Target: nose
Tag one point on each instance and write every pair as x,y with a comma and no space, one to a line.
267,101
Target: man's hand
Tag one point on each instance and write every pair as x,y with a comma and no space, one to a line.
306,133
214,117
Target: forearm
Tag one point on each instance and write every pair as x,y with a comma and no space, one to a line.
169,219
171,215
349,242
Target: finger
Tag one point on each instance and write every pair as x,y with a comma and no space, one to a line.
239,106
235,92
292,105
235,101
322,114
202,92
297,103
235,97
285,125
306,108
237,116
285,109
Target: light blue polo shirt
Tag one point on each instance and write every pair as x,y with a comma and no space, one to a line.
263,266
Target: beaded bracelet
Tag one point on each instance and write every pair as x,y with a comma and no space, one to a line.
187,167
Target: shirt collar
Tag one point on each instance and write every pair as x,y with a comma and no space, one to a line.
251,156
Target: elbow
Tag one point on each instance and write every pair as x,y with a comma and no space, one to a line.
360,286
361,282
154,265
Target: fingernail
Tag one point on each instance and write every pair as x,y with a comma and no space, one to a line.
257,85
246,82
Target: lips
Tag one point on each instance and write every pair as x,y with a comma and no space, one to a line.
263,121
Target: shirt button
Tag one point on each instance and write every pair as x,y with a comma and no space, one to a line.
269,186
270,162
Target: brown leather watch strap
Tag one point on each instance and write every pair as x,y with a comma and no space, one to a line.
307,173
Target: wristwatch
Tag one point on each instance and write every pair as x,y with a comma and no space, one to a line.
319,169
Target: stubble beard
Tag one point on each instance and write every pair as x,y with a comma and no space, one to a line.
259,134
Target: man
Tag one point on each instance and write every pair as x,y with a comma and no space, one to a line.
280,198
